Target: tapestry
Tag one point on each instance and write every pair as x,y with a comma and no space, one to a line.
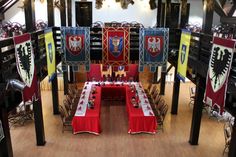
153,47
51,54
218,72
25,66
183,54
1,132
115,46
76,47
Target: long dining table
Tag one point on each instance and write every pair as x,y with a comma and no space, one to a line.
140,115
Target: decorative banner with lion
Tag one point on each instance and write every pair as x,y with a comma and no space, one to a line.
218,72
183,54
116,46
76,46
153,47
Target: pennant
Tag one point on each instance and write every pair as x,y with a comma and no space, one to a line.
218,72
51,53
115,46
153,47
76,46
25,65
183,54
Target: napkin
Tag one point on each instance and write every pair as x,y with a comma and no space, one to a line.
83,92
81,102
145,96
83,97
150,113
79,108
146,101
148,108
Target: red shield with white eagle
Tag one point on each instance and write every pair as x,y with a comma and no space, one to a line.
154,45
75,44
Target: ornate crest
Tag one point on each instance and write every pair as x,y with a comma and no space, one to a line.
50,52
154,45
74,44
183,53
25,60
115,45
219,66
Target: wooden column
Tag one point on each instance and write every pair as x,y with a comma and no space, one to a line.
69,13
163,83
29,15
197,111
5,144
159,13
184,14
155,76
207,18
63,23
50,12
232,147
55,95
38,121
175,97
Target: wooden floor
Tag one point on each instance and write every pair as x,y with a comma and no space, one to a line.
115,141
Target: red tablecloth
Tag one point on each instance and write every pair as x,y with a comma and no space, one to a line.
138,122
91,121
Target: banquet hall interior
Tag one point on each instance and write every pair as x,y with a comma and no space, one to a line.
120,78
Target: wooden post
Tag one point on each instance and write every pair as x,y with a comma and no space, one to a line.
50,13
5,144
29,15
155,76
38,121
163,83
207,18
175,97
184,13
232,146
197,111
63,23
159,13
69,13
55,95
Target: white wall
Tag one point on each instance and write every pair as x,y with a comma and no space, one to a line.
15,14
112,11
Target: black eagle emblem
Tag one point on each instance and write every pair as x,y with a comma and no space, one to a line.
25,59
220,64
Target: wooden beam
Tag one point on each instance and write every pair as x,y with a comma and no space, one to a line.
218,9
8,6
5,144
232,146
63,13
228,20
175,97
29,15
222,2
207,18
232,10
184,13
50,13
69,13
159,13
197,111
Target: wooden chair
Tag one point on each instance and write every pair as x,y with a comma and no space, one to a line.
227,133
66,121
192,91
161,118
152,90
147,90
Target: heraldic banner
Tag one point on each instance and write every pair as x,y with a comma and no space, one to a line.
218,72
115,46
183,54
153,47
76,46
25,66
51,53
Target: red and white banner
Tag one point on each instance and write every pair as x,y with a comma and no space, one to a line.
116,46
25,66
218,72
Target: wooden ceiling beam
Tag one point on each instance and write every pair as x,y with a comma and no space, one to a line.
218,9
